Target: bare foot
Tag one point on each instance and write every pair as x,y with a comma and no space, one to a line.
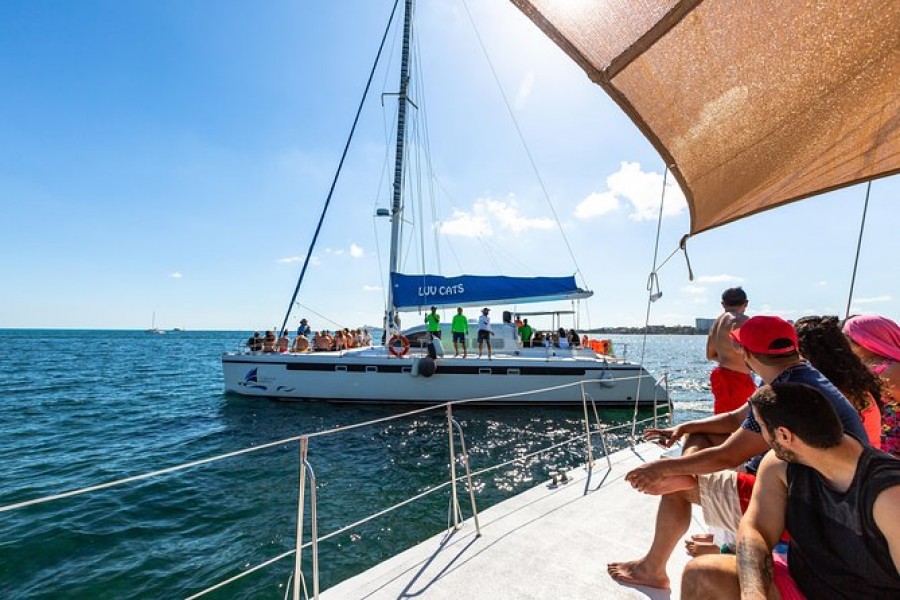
636,572
702,537
695,548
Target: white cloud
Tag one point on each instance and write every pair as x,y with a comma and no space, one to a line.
356,251
315,261
290,259
525,89
640,189
723,278
694,290
596,204
371,288
873,299
823,283
488,214
176,275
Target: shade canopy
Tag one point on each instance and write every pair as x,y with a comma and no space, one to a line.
751,104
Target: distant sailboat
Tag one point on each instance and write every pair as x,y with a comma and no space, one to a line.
153,327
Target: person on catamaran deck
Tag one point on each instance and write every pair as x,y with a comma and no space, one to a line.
538,339
365,338
838,498
255,343
525,332
301,344
484,331
826,349
304,328
730,381
284,341
270,342
459,327
876,341
321,341
726,441
433,321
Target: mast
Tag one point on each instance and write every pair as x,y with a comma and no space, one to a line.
397,204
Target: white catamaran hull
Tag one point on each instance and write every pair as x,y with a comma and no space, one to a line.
374,376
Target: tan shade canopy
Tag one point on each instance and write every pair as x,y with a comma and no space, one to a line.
752,103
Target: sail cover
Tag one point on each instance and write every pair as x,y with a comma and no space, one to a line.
412,292
751,104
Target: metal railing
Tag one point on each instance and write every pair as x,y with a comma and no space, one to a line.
307,477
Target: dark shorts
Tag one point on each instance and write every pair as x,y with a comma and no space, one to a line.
436,334
484,335
459,336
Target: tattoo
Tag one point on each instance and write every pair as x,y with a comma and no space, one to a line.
755,568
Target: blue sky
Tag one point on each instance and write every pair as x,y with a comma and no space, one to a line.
173,157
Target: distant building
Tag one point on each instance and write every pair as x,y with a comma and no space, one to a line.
704,325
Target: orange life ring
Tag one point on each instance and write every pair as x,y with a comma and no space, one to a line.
404,345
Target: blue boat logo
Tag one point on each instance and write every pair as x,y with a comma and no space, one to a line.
251,381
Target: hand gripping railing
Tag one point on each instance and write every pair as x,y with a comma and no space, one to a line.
451,422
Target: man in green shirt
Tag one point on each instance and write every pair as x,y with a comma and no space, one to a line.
525,332
434,323
459,327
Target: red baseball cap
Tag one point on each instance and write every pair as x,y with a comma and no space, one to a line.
767,335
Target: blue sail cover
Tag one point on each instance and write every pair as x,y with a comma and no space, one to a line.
412,292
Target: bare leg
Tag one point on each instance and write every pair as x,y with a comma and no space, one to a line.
701,441
489,348
672,521
711,577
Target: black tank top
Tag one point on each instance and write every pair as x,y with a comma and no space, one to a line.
836,549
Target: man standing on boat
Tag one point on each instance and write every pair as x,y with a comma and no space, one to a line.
304,329
730,381
705,472
525,332
838,498
459,327
433,320
484,331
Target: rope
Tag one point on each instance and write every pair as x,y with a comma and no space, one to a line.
524,144
337,173
862,227
652,296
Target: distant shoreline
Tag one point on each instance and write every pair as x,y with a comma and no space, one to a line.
652,330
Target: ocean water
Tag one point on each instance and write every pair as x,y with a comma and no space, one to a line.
79,408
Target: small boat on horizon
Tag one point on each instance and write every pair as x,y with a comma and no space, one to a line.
153,328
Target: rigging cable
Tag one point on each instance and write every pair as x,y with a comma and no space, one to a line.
362,102
524,144
862,227
652,296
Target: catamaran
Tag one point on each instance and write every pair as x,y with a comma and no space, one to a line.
397,373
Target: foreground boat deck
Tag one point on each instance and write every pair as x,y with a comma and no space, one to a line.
543,543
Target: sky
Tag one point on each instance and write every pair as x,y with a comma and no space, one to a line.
172,158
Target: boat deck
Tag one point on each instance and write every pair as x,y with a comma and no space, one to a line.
543,543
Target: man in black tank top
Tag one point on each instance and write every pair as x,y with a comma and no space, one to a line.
838,498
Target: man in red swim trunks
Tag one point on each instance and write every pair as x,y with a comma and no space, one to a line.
730,382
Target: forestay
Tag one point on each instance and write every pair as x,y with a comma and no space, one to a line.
751,104
412,292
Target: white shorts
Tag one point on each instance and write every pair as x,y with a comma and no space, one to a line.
719,499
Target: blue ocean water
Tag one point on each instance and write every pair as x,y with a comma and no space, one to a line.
79,408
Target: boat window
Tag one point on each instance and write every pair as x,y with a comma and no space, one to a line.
484,371
512,371
371,369
340,368
406,369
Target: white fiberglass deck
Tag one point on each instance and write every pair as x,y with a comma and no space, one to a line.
543,543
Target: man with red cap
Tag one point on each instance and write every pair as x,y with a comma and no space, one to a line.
704,473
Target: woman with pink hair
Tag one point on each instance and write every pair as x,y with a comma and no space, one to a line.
876,341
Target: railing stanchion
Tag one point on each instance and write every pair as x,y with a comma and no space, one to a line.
454,503
587,430
669,398
301,503
465,454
